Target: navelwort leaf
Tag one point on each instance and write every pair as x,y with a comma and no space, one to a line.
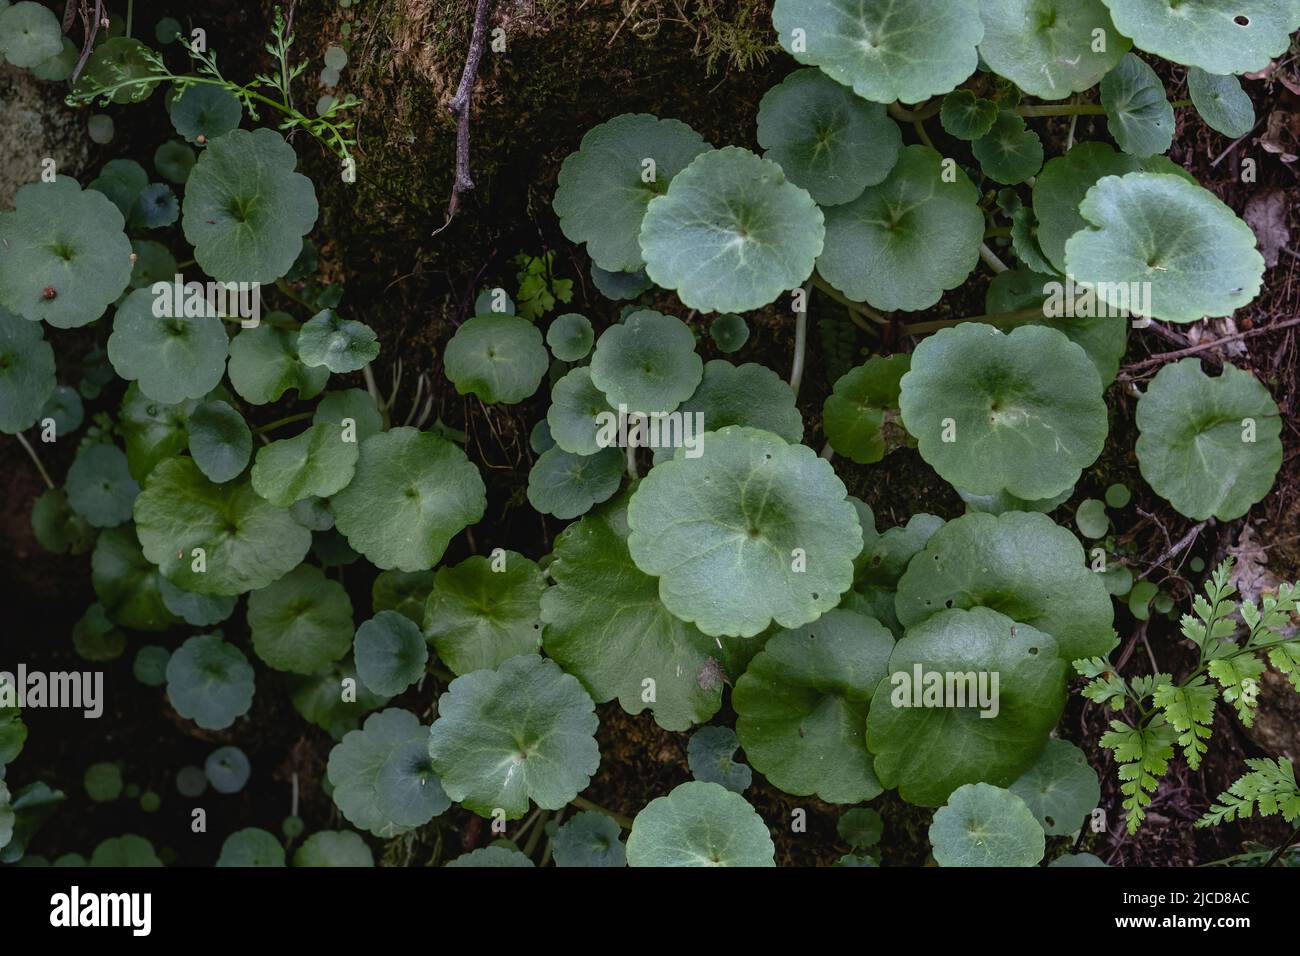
341,345
525,731
903,243
301,623
861,416
570,337
499,358
589,839
1050,48
765,532
1208,446
1059,788
26,373
29,35
1137,113
567,485
127,585
731,233
1240,37
173,358
885,50
1023,411
264,364
484,611
413,491
829,141
219,440
1222,103
391,653
711,755
319,462
100,487
802,706
1010,152
209,682
986,826
699,824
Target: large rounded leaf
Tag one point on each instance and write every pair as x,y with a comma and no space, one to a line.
484,611
647,363
986,826
499,358
928,749
382,778
731,234
391,652
1149,231
1211,447
589,839
1138,114
100,487
802,706
219,440
700,824
201,113
29,34
319,462
903,243
341,345
861,414
567,485
412,493
246,210
576,413
525,731
1222,103
1050,48
606,626
604,187
63,254
26,373
752,530
215,539
883,49
1010,152
1223,38
302,623
153,431
209,682
264,364
127,585
1020,563
334,848
993,412
829,141
1060,789
172,358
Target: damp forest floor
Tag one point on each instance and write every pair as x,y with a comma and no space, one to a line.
569,65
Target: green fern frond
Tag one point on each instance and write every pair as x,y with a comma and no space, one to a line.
1190,709
1270,788
1143,755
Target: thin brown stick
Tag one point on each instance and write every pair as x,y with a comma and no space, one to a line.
1194,349
459,107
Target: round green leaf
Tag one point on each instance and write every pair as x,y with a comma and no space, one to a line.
1222,103
246,541
1059,788
412,493
128,586
991,412
647,363
525,731
1118,495
729,332
1091,518
264,364
484,611
861,416
95,638
334,848
567,485
1049,48
860,827
1238,37
577,411
318,462
351,403
604,187
203,112
700,824
103,782
570,337
1208,446
802,706
246,210
153,263
63,254
174,161
967,116
29,34
26,373
251,846
752,531
154,208
1196,257
1078,859
731,234
172,358
390,652
986,826
499,358
903,243
57,527
341,345
619,285
493,856
153,431
128,850
928,751
64,409
219,440
209,682
1138,115
59,68
829,141
885,50
589,839
1010,152
228,769
317,699
711,755
381,775
100,487
403,592
302,622
150,665
1021,564
1065,180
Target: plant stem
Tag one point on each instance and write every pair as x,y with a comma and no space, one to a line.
859,307
287,420
373,388
631,461
1018,317
535,835
130,13
582,803
922,134
49,483
991,259
800,341
1077,109
904,115
1281,851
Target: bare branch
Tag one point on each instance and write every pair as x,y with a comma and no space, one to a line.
460,108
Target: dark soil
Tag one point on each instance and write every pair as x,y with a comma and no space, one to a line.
569,65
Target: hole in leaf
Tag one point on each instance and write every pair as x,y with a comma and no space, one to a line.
1241,20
